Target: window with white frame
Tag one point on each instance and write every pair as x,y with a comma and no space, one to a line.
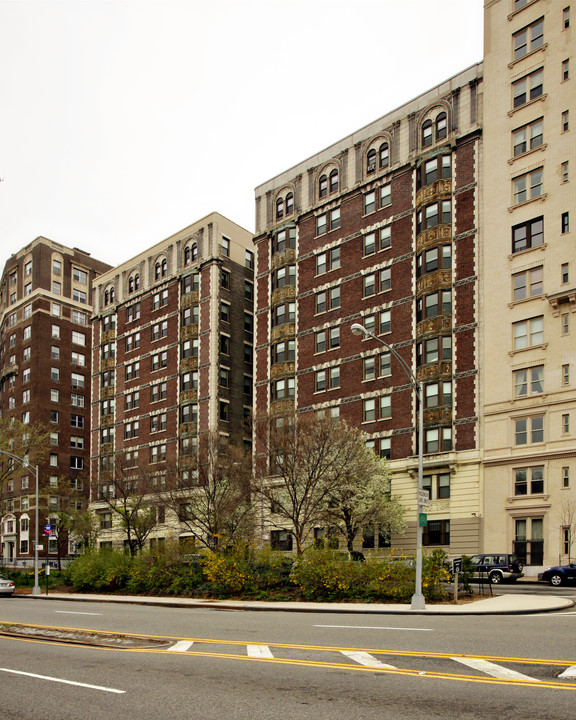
529,430
529,381
527,284
529,481
528,88
528,39
528,333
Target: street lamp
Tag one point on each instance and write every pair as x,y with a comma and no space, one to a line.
24,462
418,598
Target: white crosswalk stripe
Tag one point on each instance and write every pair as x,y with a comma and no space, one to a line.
262,651
181,646
492,669
364,658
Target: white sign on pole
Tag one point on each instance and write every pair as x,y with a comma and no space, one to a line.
423,498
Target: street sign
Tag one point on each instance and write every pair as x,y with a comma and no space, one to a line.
47,528
53,536
39,547
423,498
457,565
422,519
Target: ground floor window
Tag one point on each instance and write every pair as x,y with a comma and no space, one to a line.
529,540
436,532
281,540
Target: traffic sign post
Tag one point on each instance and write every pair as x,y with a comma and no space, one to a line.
456,568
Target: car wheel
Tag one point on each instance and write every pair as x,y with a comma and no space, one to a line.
495,578
520,567
556,580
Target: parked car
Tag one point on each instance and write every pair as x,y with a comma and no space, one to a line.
6,586
497,567
559,574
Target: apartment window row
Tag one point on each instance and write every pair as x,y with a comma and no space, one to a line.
160,299
283,314
285,205
132,342
160,330
328,299
436,258
377,282
377,408
438,486
378,199
328,183
377,240
191,283
438,213
378,323
327,339
434,130
380,446
190,316
328,379
438,394
158,392
132,400
376,366
327,261
284,276
379,157
434,304
328,221
284,351
283,239
107,407
158,422
432,170
283,388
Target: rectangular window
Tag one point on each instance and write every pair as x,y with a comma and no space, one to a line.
225,246
385,195
565,120
527,187
528,333
334,216
528,39
249,259
565,323
385,237
79,317
385,407
385,279
565,222
369,285
78,338
78,295
369,410
565,374
528,137
565,424
565,477
334,377
529,430
369,202
527,88
565,171
320,381
527,284
529,481
78,359
370,243
564,272
436,532
565,70
369,368
529,382
321,224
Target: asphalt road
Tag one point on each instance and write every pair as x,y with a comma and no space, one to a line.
241,665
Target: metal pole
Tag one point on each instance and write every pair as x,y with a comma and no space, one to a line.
36,588
417,602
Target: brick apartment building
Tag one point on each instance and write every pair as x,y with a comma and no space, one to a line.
172,359
381,228
45,370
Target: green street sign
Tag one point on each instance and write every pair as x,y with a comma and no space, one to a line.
422,519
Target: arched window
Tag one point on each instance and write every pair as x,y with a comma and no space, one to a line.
130,284
384,155
136,282
112,294
187,255
441,126
164,267
334,180
427,133
280,207
323,186
371,167
157,270
289,203
106,297
194,251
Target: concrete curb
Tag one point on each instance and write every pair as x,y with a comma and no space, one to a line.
498,605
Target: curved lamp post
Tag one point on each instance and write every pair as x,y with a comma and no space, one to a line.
34,469
418,598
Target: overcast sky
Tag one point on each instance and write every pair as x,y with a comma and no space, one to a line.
124,121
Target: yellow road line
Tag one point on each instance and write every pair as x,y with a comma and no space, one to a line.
541,684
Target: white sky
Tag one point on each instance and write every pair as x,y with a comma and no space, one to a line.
123,121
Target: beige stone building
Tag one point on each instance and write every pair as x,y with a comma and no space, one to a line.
528,288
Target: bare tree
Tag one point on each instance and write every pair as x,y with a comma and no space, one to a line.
210,494
71,505
567,517
314,464
129,492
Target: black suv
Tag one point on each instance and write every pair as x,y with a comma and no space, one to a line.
497,567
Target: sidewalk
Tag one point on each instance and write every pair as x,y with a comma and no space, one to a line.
498,605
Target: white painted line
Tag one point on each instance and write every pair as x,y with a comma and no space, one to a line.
363,658
496,671
569,673
368,627
69,612
65,682
262,651
181,646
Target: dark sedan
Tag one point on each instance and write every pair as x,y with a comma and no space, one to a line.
559,574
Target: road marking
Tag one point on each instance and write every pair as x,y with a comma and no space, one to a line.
259,651
496,671
181,646
364,658
65,682
569,673
370,627
69,612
